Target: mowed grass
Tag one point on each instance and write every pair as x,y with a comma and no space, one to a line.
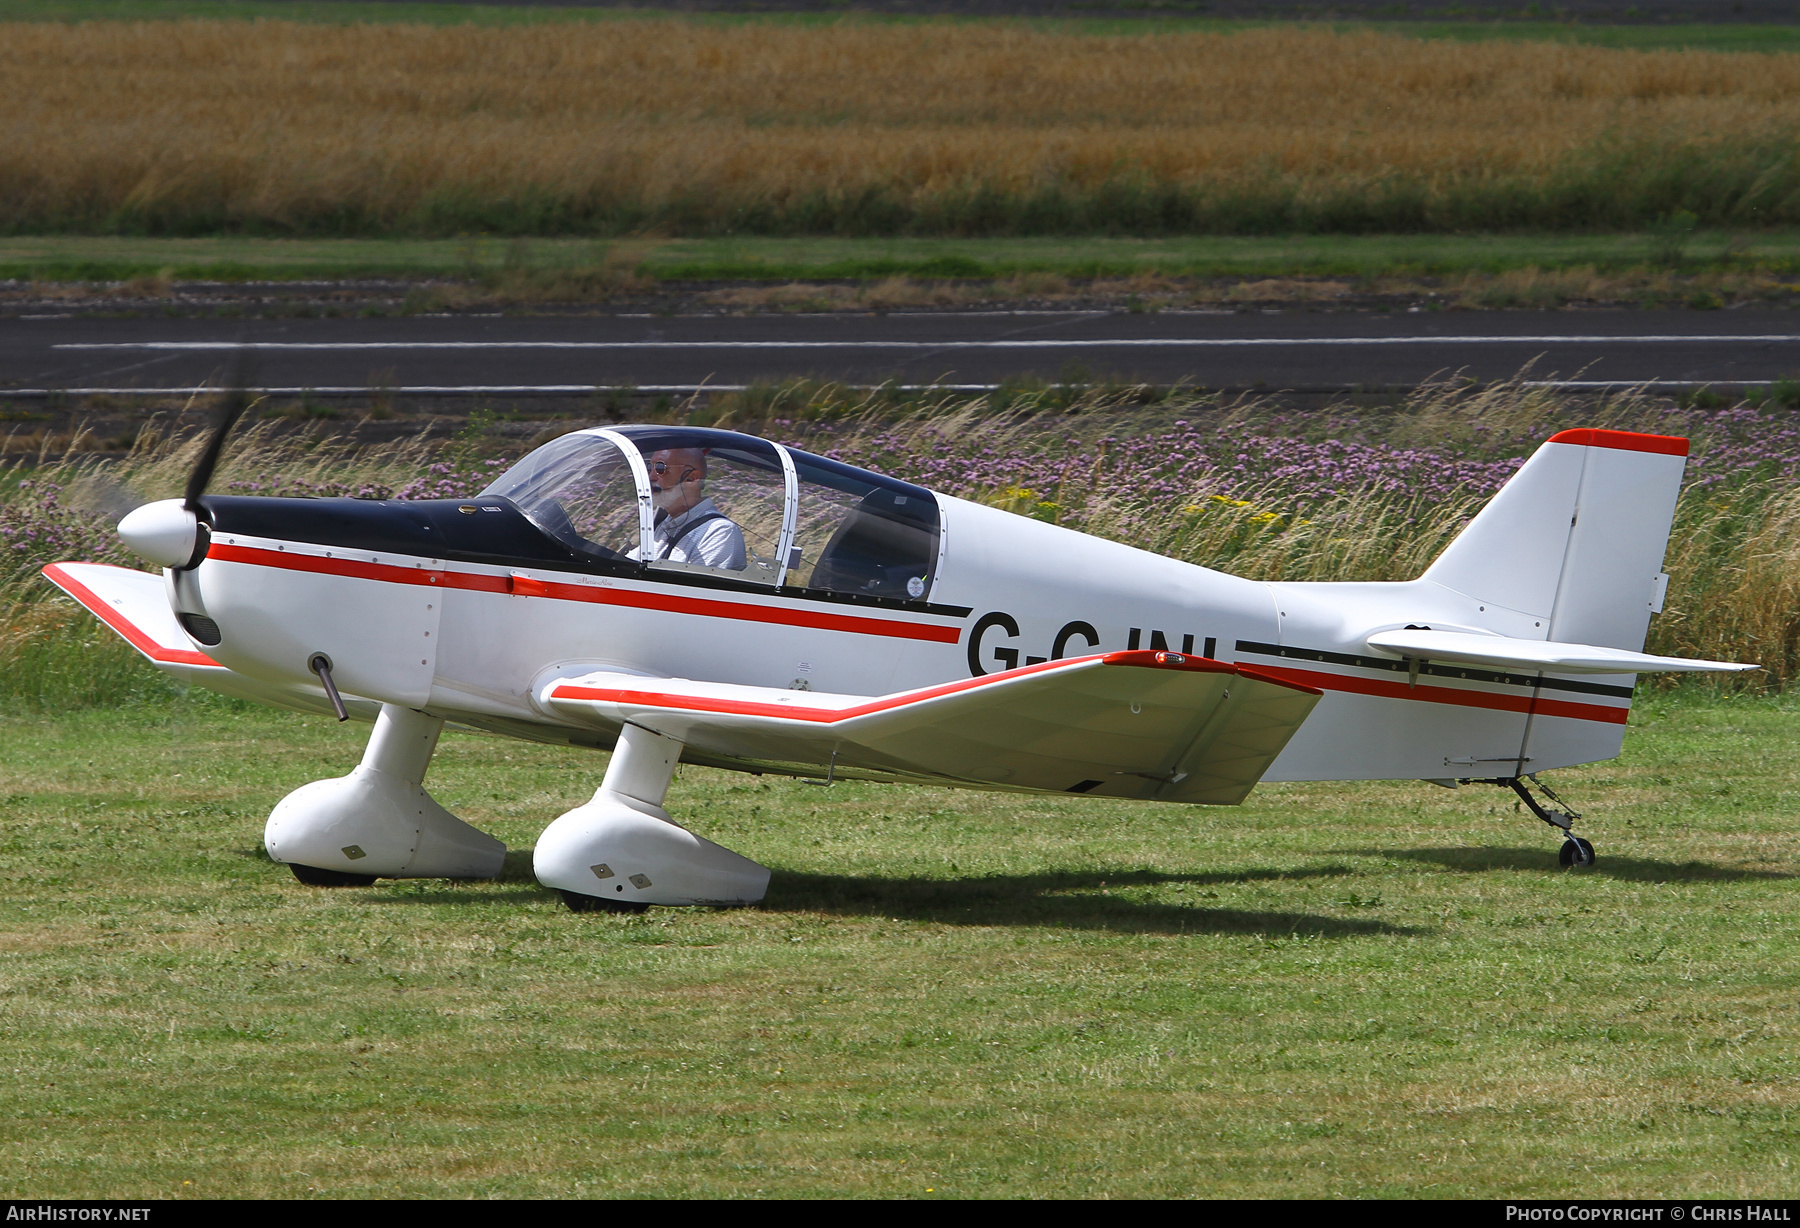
629,264
692,128
1378,989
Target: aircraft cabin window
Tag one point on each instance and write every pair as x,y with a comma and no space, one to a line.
717,501
859,532
580,490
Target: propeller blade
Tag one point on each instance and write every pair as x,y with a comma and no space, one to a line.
237,400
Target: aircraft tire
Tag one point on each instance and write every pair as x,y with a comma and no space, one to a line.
1575,852
313,876
593,903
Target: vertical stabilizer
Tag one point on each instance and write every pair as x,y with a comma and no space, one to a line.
1576,539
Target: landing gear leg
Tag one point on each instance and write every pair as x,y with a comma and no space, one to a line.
1575,851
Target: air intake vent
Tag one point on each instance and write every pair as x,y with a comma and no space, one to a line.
202,628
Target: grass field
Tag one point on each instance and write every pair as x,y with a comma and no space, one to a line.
55,258
860,128
1382,989
1372,989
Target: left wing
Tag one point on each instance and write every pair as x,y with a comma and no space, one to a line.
136,605
132,603
1141,724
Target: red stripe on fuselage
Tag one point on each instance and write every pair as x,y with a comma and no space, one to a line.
667,603
1140,658
1448,695
110,615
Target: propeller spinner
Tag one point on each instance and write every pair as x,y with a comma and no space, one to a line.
173,532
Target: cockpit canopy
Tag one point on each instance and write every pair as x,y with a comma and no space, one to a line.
729,506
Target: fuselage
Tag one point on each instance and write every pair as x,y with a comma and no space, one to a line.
463,608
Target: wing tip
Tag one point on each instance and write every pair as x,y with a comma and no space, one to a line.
158,653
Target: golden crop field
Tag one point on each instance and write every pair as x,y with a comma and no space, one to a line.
862,128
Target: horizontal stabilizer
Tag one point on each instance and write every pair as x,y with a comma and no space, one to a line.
1536,655
1141,724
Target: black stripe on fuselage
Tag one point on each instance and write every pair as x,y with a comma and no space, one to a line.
1468,672
439,529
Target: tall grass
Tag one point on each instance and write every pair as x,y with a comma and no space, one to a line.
1244,487
192,127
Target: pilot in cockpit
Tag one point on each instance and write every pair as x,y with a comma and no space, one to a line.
688,527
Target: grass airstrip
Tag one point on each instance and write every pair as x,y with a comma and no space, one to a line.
1377,989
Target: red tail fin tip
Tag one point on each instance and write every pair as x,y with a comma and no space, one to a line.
1627,441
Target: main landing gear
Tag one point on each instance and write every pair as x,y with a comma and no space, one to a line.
1575,852
621,852
378,822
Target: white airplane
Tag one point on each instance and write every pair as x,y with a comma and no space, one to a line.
677,595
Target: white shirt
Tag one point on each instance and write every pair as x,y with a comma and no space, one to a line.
717,543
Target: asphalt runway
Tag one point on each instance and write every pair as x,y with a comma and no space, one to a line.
518,355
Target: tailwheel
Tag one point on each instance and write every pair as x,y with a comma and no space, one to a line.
1576,852
594,903
313,876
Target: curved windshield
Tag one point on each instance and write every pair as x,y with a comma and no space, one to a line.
719,502
578,489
